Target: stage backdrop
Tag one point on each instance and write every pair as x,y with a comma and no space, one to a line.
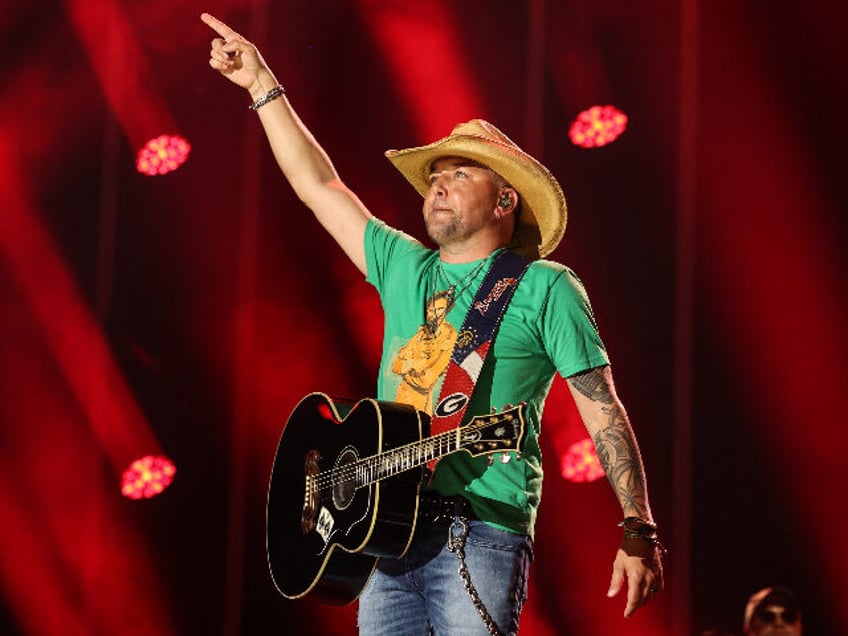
185,314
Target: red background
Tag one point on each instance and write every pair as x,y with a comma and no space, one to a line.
187,314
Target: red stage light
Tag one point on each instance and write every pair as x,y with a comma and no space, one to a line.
597,126
162,154
580,462
147,477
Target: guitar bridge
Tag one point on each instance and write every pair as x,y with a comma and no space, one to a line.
310,494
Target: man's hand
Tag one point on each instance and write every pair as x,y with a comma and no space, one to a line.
644,578
237,59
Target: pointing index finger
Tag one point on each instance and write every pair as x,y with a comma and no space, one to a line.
219,27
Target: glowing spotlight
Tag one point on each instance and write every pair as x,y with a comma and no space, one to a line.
580,462
162,154
597,126
147,477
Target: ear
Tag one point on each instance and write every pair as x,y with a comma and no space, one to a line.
507,201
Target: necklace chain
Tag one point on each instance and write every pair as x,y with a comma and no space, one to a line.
465,281
454,290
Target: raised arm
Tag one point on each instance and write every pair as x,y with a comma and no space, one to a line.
607,423
302,160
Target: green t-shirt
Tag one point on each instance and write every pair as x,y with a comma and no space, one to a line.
547,328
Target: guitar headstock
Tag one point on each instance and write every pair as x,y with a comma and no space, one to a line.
495,433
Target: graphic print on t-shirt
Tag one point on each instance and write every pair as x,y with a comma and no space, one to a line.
425,357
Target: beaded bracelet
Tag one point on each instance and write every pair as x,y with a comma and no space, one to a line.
271,95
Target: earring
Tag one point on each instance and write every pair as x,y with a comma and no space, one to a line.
505,201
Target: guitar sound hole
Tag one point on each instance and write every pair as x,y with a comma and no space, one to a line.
344,479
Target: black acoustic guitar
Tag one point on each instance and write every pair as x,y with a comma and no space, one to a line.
345,483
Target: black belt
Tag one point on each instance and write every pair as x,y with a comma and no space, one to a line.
435,508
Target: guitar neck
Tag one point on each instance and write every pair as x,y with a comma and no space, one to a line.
369,470
483,435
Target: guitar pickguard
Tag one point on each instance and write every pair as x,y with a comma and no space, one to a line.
328,494
344,481
325,524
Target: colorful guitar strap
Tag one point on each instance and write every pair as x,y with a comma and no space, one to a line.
474,341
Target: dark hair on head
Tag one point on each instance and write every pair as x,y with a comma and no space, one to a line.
446,294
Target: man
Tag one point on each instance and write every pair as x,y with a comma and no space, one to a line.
484,198
773,611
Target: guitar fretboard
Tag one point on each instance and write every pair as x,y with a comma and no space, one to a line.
484,434
390,463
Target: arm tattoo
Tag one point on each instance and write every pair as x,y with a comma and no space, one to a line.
593,384
619,456
614,441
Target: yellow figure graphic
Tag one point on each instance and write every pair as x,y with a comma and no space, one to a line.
422,360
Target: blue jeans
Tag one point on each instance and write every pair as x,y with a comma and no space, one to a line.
423,594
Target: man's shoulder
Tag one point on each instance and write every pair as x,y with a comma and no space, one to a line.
552,275
393,255
381,234
551,270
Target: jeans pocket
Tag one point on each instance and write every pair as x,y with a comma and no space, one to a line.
483,535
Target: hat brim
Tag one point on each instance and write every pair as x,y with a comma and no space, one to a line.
543,216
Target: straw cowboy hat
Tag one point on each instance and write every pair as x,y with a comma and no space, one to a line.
541,222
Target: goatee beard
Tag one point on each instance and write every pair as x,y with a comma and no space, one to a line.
444,233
